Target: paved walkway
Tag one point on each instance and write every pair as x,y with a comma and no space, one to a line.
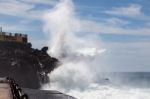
5,91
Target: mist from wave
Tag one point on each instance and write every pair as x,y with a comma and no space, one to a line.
79,48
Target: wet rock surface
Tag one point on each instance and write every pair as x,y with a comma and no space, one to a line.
43,94
27,66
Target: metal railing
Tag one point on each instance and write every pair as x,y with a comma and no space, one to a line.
16,90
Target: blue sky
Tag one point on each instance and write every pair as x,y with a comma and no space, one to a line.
123,27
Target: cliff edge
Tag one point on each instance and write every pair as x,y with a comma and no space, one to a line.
27,66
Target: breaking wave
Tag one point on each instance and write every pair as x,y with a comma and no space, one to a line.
79,48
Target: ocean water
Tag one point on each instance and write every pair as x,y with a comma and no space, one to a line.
117,85
111,92
114,85
130,79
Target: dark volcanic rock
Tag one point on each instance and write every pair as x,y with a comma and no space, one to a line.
27,66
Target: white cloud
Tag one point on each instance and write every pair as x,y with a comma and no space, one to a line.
132,10
47,2
116,21
24,8
10,27
123,30
14,8
113,26
125,57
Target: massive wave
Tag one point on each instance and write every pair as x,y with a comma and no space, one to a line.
78,48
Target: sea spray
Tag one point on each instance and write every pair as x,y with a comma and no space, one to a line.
75,49
73,41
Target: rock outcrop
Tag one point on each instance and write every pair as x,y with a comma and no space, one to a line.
27,66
